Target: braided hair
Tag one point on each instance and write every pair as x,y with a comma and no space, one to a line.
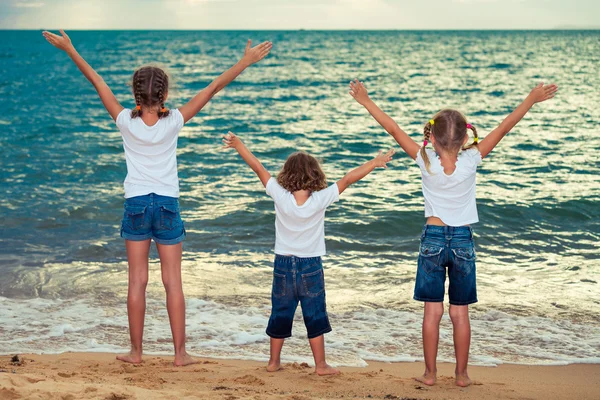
449,127
150,86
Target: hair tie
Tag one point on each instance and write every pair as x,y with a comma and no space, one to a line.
476,140
138,107
164,109
431,122
425,143
469,126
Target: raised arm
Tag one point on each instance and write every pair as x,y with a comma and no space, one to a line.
108,98
538,94
231,140
359,92
251,55
358,173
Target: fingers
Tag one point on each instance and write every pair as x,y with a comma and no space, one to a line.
248,45
62,32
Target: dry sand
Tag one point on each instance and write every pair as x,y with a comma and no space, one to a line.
72,376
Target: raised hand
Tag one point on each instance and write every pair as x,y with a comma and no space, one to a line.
255,54
382,159
542,93
359,92
61,42
231,141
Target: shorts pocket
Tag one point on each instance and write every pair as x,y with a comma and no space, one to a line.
430,255
464,260
169,217
135,216
278,285
314,283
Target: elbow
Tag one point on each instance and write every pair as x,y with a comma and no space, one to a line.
213,89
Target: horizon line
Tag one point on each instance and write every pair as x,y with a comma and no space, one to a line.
567,28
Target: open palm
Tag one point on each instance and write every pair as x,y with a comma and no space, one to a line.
61,42
255,54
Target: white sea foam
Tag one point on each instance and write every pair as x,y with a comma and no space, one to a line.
224,331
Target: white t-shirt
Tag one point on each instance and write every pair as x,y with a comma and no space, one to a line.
451,198
150,154
300,230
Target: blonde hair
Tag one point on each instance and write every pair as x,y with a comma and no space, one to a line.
449,128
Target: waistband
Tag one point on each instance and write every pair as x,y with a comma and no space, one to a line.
151,198
448,231
292,262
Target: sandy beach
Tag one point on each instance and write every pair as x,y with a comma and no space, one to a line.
73,376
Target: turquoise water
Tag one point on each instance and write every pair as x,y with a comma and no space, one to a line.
63,264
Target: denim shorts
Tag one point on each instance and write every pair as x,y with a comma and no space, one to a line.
152,217
451,248
298,280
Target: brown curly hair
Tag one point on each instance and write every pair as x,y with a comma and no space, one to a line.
302,171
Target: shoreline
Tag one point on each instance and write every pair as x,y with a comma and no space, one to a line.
101,376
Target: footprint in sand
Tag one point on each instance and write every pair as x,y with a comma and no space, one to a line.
9,394
249,380
116,396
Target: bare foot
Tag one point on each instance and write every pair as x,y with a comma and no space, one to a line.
463,380
273,366
131,358
427,378
326,370
183,360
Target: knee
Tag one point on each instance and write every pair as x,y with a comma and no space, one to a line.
138,283
171,283
434,311
459,314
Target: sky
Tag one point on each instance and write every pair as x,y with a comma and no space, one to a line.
299,14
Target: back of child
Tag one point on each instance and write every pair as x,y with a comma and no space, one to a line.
150,133
448,174
301,197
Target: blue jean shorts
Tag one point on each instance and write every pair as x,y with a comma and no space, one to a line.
446,248
298,280
152,217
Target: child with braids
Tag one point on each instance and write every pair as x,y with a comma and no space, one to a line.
150,133
448,178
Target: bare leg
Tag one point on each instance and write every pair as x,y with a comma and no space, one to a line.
431,336
317,345
275,356
170,263
137,257
462,342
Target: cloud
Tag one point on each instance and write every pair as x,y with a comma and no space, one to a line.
28,4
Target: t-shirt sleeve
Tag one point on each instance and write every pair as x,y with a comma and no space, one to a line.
274,189
177,119
473,156
419,160
123,117
328,196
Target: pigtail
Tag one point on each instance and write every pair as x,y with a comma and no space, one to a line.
426,135
137,94
162,82
475,138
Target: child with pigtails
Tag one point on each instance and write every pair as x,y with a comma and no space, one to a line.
448,172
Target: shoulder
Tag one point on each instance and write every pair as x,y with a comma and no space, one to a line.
328,195
123,118
431,155
274,189
175,118
472,156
